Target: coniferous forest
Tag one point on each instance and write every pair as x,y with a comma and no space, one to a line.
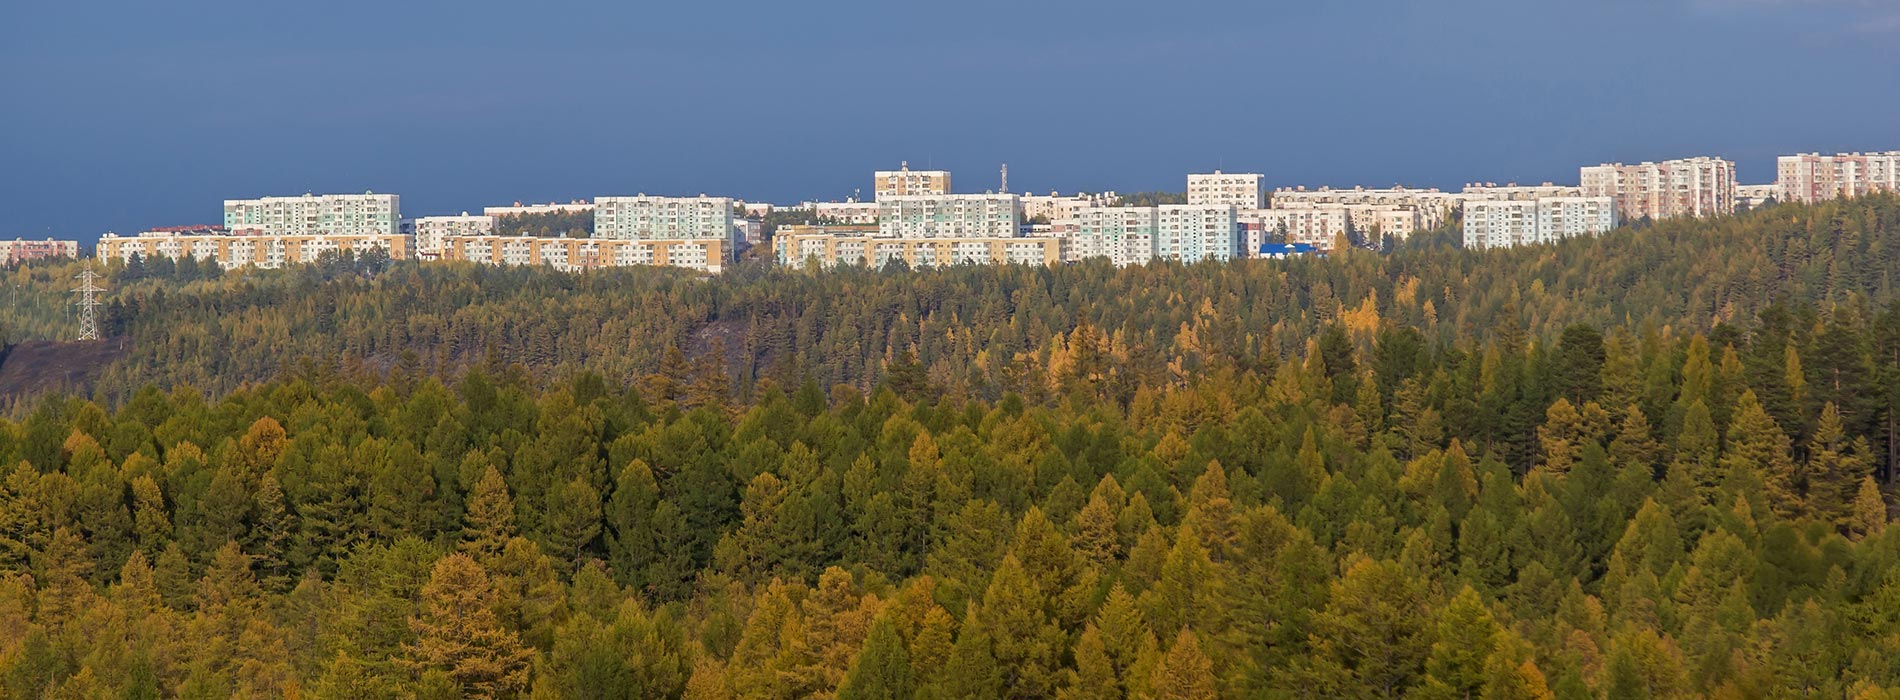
1653,465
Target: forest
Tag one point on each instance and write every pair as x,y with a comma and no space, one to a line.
1652,465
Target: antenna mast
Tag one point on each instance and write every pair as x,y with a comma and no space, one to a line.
1005,178
88,304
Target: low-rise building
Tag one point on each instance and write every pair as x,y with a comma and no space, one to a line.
578,206
1755,196
573,254
1516,192
847,212
829,249
231,250
19,250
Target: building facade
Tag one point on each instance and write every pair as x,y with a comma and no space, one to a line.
1812,177
833,248
1513,191
904,182
1238,190
366,214
844,212
231,250
1434,207
1701,186
644,218
950,216
431,230
1124,235
1756,196
1191,233
1508,222
1318,225
575,254
1054,207
578,206
18,250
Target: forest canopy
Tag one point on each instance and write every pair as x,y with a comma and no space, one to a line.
1652,465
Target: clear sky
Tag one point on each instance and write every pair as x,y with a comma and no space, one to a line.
120,115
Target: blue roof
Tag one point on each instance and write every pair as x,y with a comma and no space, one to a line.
1287,248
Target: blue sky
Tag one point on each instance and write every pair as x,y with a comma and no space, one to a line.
123,115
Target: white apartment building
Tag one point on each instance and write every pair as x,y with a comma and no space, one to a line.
1391,220
832,249
1502,223
1514,191
430,231
950,216
644,218
1701,186
1055,207
1812,177
1317,225
904,182
1191,233
578,206
848,212
1434,207
366,214
1124,235
1238,190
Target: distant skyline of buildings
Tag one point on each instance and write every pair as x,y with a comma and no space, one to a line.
1226,215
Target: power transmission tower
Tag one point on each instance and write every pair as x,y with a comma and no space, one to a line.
88,304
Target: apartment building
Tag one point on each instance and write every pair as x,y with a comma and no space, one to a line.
578,206
431,230
1755,196
1516,192
575,254
1124,235
1434,206
833,248
904,182
232,250
1054,207
645,218
950,216
366,214
1503,223
1389,220
848,212
1191,233
1812,177
1238,190
18,250
1318,225
1701,186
